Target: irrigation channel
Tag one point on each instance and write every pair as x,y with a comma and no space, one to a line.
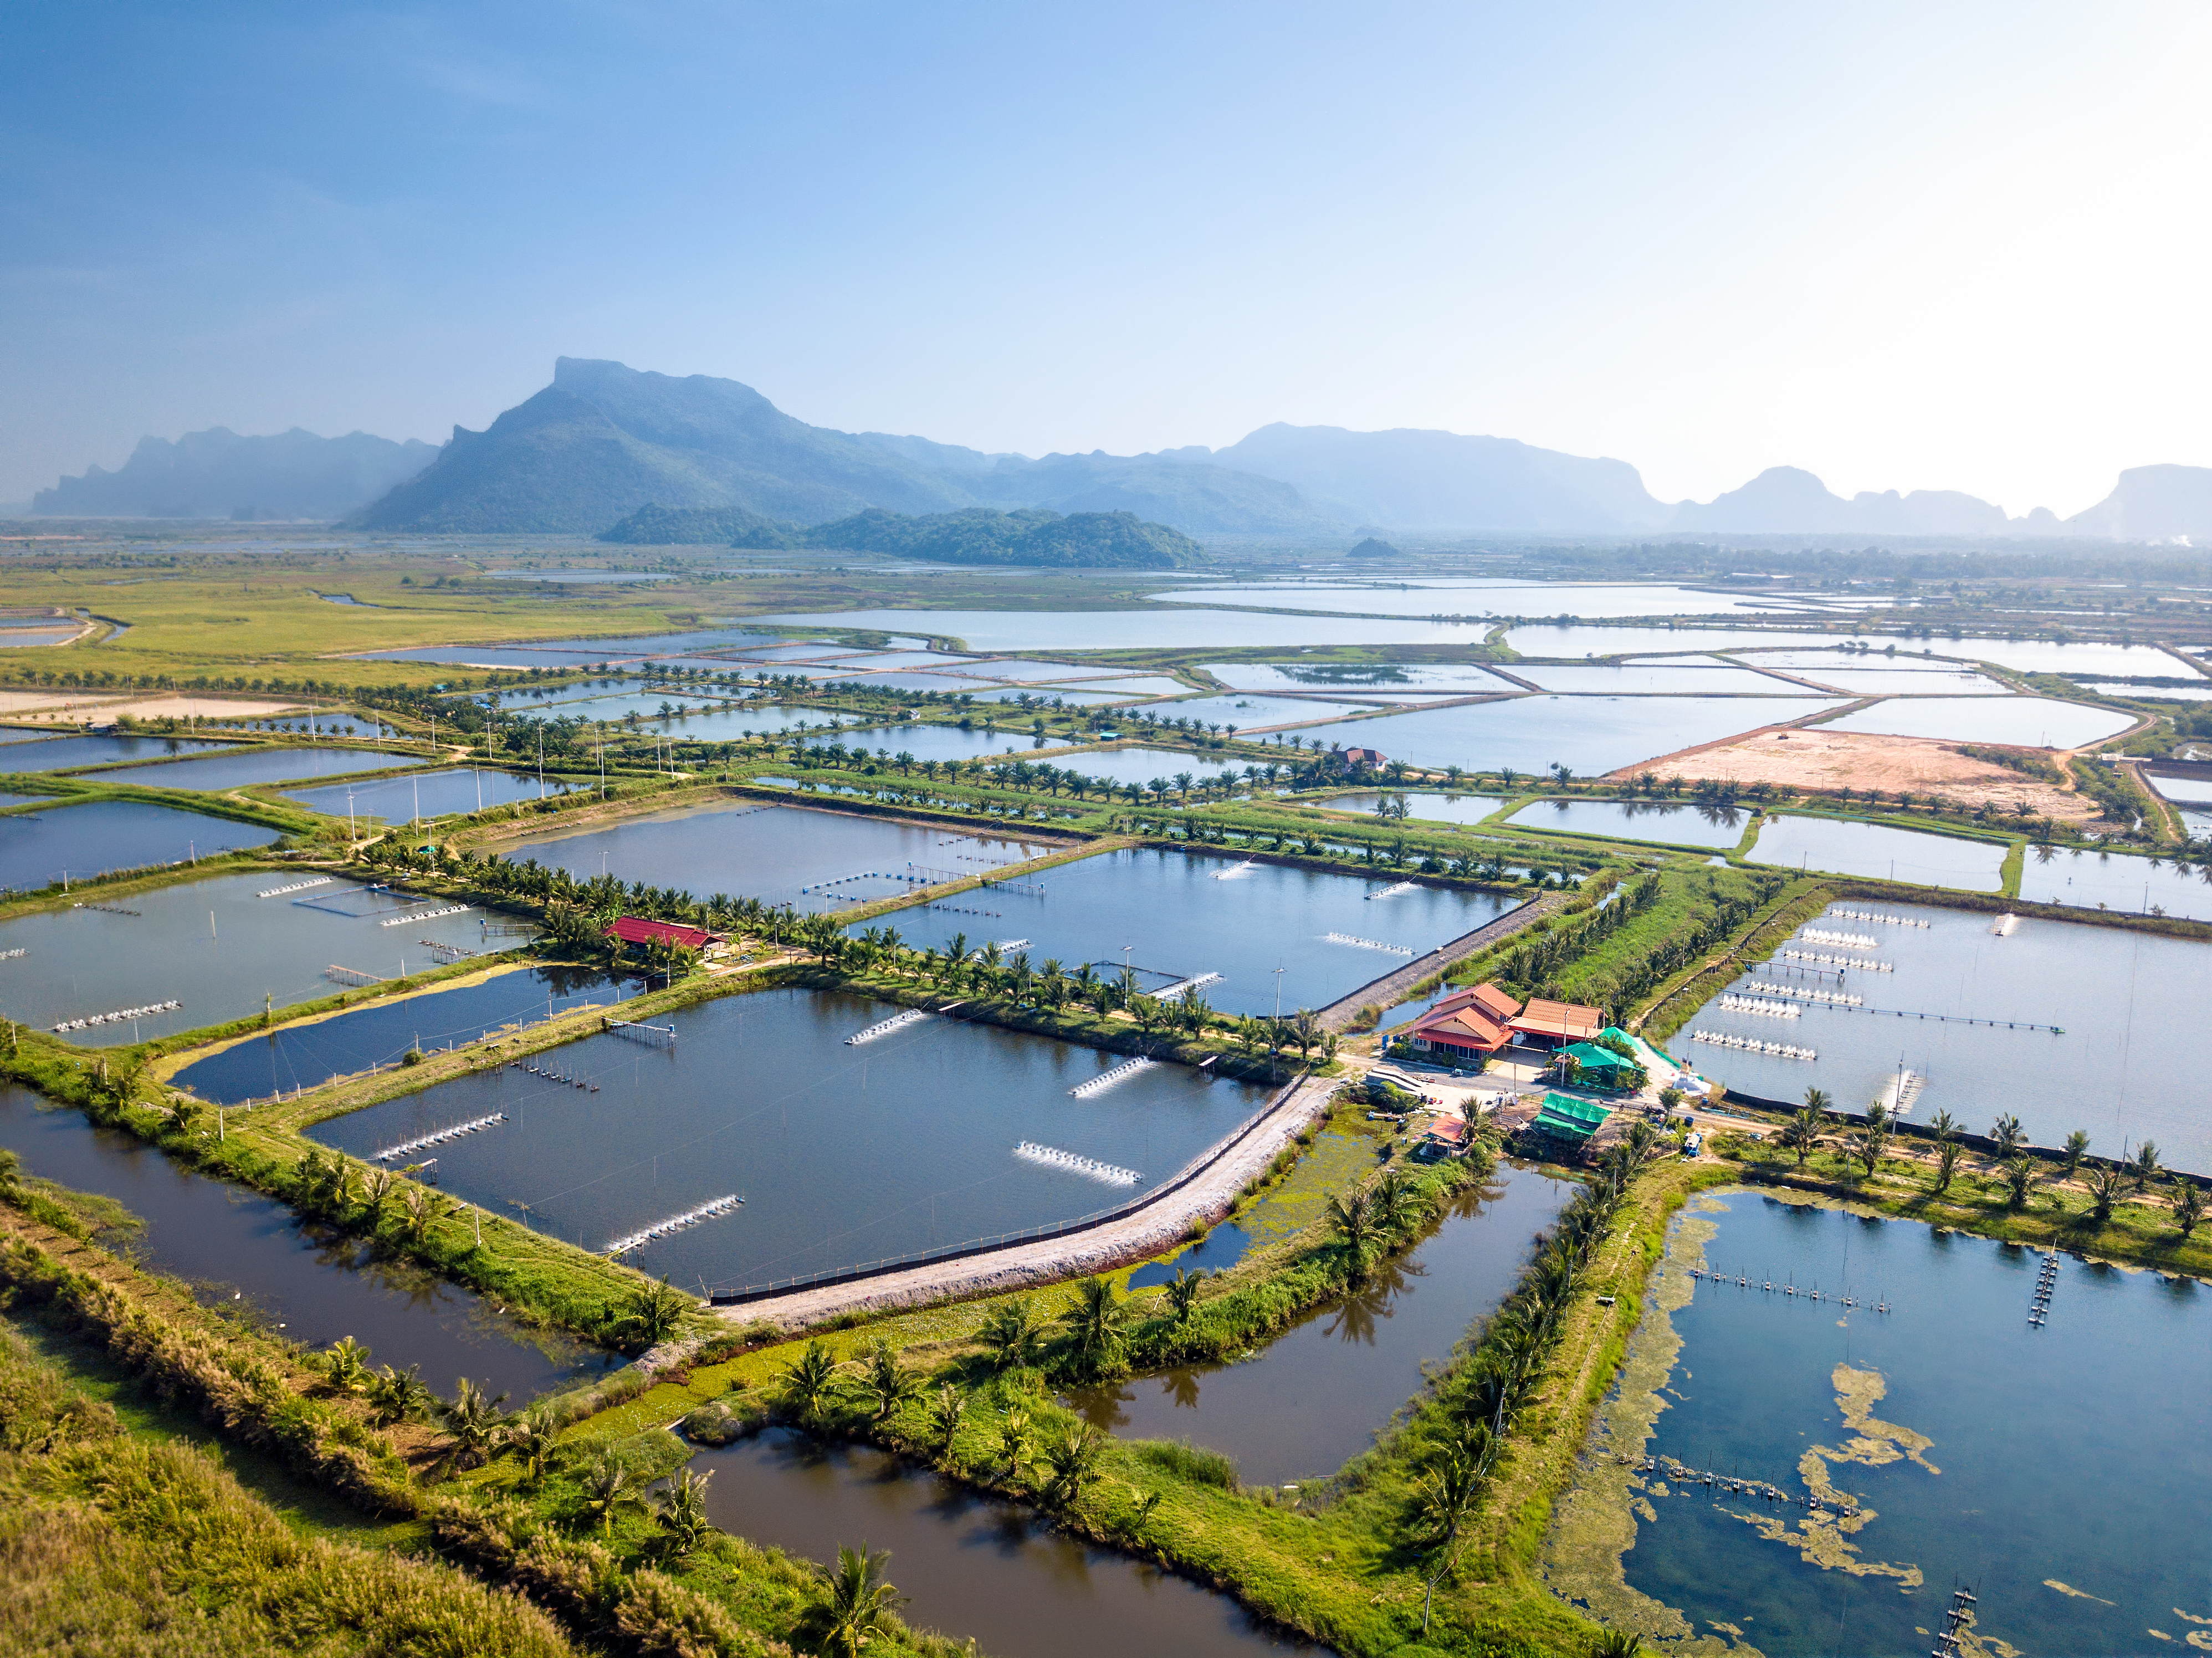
1943,1437
310,1284
2066,1024
761,1096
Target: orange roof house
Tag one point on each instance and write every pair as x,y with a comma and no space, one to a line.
1466,1024
1359,756
1555,1024
633,930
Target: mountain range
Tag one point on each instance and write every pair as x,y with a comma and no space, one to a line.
604,440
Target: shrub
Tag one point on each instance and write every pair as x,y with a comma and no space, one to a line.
1187,1462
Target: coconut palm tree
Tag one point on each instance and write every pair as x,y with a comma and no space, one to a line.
1616,1643
2077,1147
682,1512
1183,1294
1444,1498
2020,1180
2009,1135
2107,1186
885,1381
2143,1167
1072,1461
809,1383
425,1209
1943,1125
609,1488
1947,1164
1353,1220
1801,1133
1095,1322
345,1367
1014,1440
472,1420
536,1438
857,1606
2188,1202
1817,1100
398,1396
1395,1201
1012,1333
656,1311
946,1412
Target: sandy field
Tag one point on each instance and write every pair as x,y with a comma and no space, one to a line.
54,704
203,707
1820,759
74,708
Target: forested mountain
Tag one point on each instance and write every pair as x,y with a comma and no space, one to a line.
218,474
975,535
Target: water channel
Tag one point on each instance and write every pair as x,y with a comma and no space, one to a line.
2024,721
309,1283
252,765
426,793
1427,807
59,753
1954,1423
1878,850
1663,823
39,849
2114,880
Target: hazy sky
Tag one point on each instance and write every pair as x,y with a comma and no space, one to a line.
1906,247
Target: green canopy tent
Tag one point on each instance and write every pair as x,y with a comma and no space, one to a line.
1565,1118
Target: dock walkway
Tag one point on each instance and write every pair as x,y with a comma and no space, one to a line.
1381,993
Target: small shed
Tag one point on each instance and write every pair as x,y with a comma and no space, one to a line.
1562,1117
1599,1067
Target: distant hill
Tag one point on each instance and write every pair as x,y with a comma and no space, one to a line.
1191,494
2153,503
218,474
1033,536
1788,501
605,439
655,526
1371,548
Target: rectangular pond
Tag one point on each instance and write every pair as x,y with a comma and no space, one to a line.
306,1283
1572,641
1428,808
1159,628
379,1032
1587,734
2063,1472
65,842
252,765
1876,850
1653,679
2028,722
1248,711
1491,598
214,944
1358,678
843,1154
579,653
2115,880
1181,915
793,855
1894,682
2119,997
427,794
1661,821
59,753
1142,767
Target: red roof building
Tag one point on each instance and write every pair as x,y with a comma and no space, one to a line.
1366,757
1555,1024
1468,1024
633,930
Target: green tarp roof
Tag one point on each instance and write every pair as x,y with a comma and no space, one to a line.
1575,1119
1591,1057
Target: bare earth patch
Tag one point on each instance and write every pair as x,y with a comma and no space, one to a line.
1816,758
202,707
50,704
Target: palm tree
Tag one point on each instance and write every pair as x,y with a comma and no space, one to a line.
2009,1135
1013,1335
1445,1498
534,1437
683,1512
1868,1147
656,1311
425,1209
2077,1147
2107,1186
1947,1164
887,1381
2143,1170
1095,1322
377,1189
608,1490
1395,1202
344,1366
2188,1205
1014,1440
1616,1643
1817,1100
808,1382
946,1411
1352,1219
1183,1294
1073,1462
1943,1125
2020,1181
472,1420
858,1605
1801,1133
397,1396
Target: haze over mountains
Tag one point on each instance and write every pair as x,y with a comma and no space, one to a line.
604,440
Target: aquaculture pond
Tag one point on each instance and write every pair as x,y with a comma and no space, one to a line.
1446,808
972,1567
59,753
762,1097
939,742
2115,880
428,793
1699,677
1315,1397
379,1033
1361,678
1942,1436
1877,850
582,652
1181,916
644,704
1660,822
793,855
1587,734
1159,628
1493,599
42,848
252,765
1251,711
1143,766
2117,996
1573,641
310,1284
215,945
1895,682
2028,721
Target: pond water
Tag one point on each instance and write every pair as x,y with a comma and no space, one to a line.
974,1568
18,638
1653,679
1896,681
1316,1396
1127,688
1073,696
2038,656
903,682
2028,722
1877,850
2102,880
1023,670
1491,598
214,944
38,849
1141,765
2063,1472
1388,677
1661,821
254,765
1152,629
379,1032
646,704
312,1285
780,854
2149,693
1248,711
56,753
1427,808
2118,996
579,653
941,742
1185,914
426,793
844,1154
1813,664
1576,640
2196,790
1587,734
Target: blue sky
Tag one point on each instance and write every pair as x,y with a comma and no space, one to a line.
1906,247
